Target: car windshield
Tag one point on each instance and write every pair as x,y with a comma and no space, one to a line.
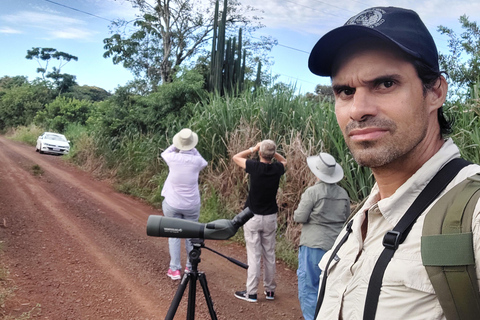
55,137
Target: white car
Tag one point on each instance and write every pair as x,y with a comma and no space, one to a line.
50,142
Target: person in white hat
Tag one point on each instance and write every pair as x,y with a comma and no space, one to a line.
180,191
322,211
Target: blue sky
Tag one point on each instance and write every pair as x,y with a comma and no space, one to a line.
296,24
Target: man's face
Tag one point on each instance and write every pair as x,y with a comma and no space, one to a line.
380,105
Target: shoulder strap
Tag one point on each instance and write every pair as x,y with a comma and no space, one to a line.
321,293
448,253
348,229
397,236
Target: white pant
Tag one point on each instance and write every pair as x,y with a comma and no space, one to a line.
260,232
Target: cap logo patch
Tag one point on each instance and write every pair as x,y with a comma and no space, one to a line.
369,18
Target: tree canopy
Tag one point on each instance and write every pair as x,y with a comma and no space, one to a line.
168,33
43,56
463,61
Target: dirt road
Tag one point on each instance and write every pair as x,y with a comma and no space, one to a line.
76,249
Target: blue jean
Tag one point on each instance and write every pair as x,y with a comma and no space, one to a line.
308,274
174,244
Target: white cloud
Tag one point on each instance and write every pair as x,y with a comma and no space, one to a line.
9,30
71,33
312,16
49,25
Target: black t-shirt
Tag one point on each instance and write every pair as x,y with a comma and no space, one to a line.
264,181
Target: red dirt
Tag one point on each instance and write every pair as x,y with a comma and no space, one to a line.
76,249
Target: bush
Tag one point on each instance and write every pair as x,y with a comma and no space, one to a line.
62,112
19,105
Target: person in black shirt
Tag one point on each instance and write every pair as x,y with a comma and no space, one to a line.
260,230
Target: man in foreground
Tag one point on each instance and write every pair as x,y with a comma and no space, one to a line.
389,93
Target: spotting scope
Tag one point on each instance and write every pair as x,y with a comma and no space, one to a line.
222,229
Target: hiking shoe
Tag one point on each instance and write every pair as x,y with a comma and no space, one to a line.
247,297
174,275
269,295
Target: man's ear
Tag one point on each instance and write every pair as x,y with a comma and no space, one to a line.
437,95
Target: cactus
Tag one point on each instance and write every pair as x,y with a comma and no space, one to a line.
227,65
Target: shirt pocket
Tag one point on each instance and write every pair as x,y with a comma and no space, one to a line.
406,280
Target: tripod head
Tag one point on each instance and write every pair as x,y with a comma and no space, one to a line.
198,243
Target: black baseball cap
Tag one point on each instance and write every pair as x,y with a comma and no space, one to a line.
403,27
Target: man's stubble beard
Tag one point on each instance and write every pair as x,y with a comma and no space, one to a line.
372,154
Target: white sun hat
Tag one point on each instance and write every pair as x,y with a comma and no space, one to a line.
325,168
185,140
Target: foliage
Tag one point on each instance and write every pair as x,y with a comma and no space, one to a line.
126,112
90,93
7,82
63,111
62,81
27,134
463,62
19,105
167,34
466,132
322,92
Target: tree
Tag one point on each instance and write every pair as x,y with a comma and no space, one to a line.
170,32
90,93
20,104
62,81
463,62
7,82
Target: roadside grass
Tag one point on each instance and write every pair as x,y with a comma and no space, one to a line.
26,135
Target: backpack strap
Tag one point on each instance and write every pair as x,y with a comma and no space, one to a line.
448,253
397,236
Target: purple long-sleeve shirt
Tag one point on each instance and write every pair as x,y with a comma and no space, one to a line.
181,187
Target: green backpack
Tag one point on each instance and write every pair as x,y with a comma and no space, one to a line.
448,253
447,250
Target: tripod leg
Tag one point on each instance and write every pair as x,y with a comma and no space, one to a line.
191,295
203,281
178,297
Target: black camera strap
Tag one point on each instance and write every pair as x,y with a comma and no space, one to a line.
325,275
395,237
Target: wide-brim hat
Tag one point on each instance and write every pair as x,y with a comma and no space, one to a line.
325,168
185,140
403,27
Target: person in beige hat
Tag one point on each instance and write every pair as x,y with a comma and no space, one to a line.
322,211
180,191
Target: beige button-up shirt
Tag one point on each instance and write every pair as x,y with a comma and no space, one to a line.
407,292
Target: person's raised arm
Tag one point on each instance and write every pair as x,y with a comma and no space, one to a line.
280,159
241,158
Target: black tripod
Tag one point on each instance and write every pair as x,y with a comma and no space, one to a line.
193,276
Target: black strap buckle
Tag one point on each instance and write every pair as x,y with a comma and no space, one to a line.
391,240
